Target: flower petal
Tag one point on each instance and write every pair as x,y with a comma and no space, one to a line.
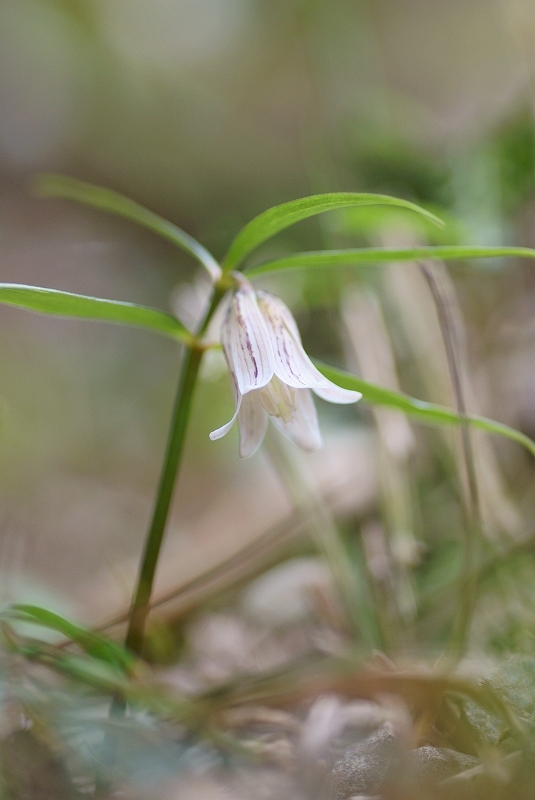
238,399
246,341
302,427
278,398
252,423
220,432
291,363
335,394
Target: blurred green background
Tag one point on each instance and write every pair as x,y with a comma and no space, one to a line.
209,111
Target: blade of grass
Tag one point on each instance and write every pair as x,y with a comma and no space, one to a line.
450,325
276,219
321,526
428,413
65,304
64,187
92,643
369,255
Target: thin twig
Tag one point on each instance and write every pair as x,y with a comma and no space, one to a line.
253,552
448,317
322,528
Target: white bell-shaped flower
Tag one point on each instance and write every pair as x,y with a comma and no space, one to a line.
271,374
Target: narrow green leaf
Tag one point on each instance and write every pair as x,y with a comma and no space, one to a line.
93,672
136,686
370,222
368,255
65,304
280,217
93,644
68,188
428,413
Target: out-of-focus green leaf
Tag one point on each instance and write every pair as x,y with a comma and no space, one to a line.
94,644
425,412
65,304
280,217
370,222
68,188
367,255
99,674
136,687
514,152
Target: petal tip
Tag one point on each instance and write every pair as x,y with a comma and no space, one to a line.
336,394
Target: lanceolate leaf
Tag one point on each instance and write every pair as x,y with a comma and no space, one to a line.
368,255
280,217
64,304
94,644
425,412
135,686
107,200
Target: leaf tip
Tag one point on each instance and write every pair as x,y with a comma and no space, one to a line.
440,223
46,184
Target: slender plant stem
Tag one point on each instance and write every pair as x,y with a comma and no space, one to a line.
321,525
445,304
175,447
139,610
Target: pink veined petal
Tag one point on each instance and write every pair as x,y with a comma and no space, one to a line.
282,310
335,394
291,363
302,428
246,342
252,423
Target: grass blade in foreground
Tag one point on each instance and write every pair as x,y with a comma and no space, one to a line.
280,217
106,200
428,413
368,255
65,304
94,644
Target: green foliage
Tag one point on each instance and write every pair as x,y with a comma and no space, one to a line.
368,224
50,301
106,200
515,153
103,664
276,219
397,168
368,255
95,645
65,304
424,412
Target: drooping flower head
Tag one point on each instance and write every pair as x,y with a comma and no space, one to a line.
270,372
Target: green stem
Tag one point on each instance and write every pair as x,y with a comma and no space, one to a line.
318,518
175,447
448,317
